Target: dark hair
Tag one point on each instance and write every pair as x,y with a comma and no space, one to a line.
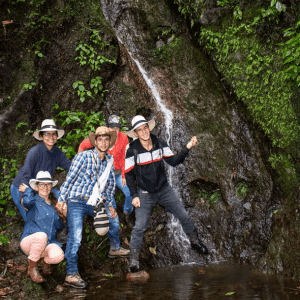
54,201
105,134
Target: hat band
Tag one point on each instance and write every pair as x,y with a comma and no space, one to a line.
43,179
139,122
49,126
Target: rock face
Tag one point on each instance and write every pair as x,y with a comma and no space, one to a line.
224,183
227,158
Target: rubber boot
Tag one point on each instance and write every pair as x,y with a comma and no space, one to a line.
134,264
46,267
33,272
196,244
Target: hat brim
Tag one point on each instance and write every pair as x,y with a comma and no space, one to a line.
131,133
60,133
111,125
112,134
33,183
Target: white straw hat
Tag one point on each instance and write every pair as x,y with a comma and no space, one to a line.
138,121
42,176
48,125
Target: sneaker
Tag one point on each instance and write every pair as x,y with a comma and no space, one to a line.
200,248
118,253
75,281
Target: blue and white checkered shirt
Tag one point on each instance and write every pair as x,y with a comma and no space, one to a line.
82,177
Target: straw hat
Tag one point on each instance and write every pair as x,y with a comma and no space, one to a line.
48,125
138,121
103,130
42,176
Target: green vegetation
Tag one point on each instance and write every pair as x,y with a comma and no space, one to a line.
242,189
211,198
89,56
261,68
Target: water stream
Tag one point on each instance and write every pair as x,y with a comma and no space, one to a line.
213,282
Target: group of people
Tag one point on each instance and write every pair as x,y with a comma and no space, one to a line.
104,160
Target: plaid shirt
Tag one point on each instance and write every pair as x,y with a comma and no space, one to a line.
82,177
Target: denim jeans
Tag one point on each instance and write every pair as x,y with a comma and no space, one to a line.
167,198
77,210
15,194
128,207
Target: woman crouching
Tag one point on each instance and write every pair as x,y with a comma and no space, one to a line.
38,240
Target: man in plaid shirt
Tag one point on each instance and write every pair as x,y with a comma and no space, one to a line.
86,167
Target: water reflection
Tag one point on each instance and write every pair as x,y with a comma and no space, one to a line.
193,282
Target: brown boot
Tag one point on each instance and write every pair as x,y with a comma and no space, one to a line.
46,267
33,271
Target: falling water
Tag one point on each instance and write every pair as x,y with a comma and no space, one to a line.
178,236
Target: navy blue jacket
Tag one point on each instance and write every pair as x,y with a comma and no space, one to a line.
41,217
39,158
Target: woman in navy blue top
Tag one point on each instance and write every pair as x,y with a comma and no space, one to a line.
44,156
38,240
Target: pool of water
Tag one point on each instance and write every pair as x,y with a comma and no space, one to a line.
191,282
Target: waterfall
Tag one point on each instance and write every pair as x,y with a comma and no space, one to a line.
121,20
178,236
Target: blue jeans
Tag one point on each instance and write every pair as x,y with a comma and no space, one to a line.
77,210
15,194
167,198
128,207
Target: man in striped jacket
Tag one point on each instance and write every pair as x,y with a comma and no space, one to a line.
148,184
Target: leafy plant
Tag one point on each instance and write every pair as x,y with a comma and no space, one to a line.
8,172
28,86
78,126
89,55
211,198
242,189
291,53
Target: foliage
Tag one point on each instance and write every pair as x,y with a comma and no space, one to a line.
166,52
242,189
262,73
28,86
78,125
89,55
8,173
291,53
211,198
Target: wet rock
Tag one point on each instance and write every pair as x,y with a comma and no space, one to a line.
141,275
159,44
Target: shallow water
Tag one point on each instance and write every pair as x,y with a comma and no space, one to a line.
191,282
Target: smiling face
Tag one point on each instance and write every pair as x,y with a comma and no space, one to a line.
44,189
102,142
143,132
49,138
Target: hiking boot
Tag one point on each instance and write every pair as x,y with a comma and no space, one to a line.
134,264
46,267
34,272
75,281
196,244
118,253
